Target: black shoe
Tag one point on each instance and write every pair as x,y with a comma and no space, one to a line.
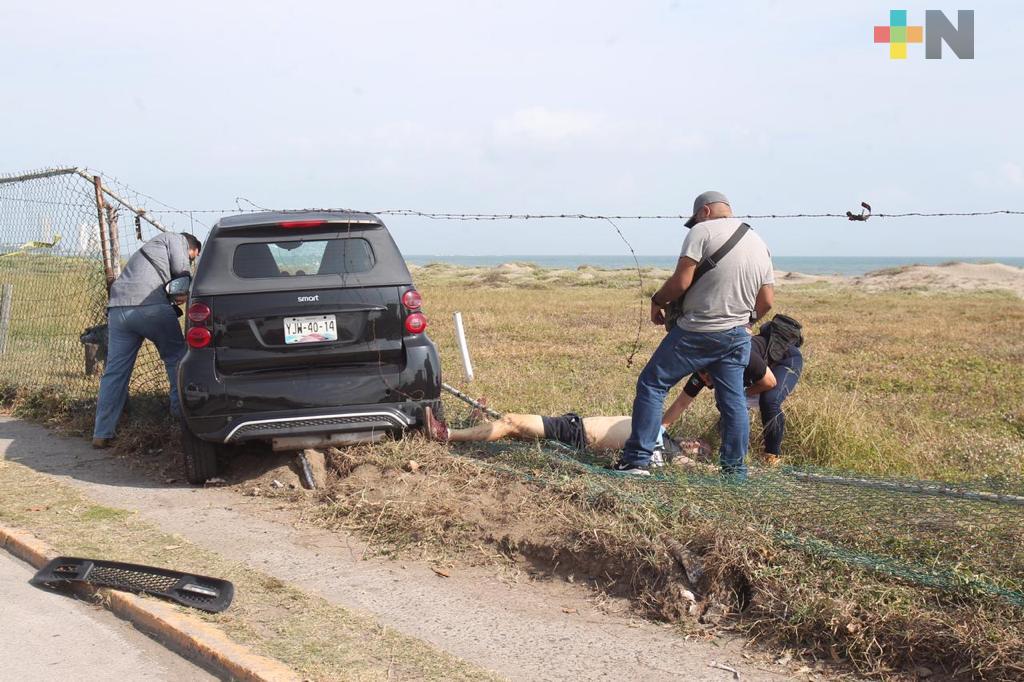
634,469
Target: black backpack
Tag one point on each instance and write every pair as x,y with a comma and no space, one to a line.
783,332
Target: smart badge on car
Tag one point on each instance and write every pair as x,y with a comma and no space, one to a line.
312,329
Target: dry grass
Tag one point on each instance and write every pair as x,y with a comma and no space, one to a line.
896,384
319,640
514,504
930,386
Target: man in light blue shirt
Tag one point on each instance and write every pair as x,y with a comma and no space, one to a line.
138,309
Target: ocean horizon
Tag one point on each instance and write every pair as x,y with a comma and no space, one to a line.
812,265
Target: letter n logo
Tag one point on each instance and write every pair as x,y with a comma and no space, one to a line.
959,38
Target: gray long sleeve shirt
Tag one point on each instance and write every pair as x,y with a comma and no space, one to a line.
140,283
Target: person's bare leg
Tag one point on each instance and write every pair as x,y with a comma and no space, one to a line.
519,426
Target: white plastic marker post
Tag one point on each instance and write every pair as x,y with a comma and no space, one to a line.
460,335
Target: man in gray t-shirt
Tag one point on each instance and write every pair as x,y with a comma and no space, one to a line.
138,310
724,297
711,334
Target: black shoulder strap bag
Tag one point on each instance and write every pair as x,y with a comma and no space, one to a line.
783,333
674,310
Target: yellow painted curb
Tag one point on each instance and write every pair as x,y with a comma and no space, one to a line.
185,634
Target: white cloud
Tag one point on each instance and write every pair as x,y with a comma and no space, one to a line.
549,125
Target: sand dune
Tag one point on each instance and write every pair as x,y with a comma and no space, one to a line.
952,277
948,277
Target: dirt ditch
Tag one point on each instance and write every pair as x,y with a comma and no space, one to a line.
437,501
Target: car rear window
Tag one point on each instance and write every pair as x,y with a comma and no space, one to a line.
259,260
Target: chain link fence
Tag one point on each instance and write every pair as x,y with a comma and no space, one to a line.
64,236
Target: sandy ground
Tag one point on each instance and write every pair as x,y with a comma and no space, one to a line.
949,277
518,626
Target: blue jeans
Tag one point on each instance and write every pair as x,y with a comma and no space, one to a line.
787,373
724,355
128,327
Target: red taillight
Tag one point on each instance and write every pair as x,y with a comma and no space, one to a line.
199,337
416,323
298,224
198,313
412,300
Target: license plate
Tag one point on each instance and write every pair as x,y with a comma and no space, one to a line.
312,329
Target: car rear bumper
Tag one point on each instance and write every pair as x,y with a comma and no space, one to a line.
359,399
351,419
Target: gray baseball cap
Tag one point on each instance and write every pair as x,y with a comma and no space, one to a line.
702,200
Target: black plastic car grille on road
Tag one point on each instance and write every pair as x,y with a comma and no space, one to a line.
197,591
375,421
132,581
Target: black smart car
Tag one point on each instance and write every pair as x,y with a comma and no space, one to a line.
304,329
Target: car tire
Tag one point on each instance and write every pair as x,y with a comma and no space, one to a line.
200,457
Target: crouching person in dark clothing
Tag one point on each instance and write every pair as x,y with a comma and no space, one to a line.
769,378
773,420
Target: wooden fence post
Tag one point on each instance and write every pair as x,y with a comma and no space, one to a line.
101,217
6,302
115,241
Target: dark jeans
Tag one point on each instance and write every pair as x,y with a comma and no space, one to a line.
773,419
724,355
128,327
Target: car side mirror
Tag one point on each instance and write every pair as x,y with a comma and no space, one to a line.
178,286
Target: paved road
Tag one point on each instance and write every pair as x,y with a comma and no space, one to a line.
50,636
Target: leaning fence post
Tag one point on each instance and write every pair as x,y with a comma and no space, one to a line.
108,271
5,315
115,242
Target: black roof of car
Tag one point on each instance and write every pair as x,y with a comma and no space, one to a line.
215,276
276,217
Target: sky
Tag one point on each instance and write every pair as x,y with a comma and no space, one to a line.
567,107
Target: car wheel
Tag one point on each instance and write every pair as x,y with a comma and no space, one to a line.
200,457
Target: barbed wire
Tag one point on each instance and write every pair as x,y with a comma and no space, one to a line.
640,279
597,216
448,215
110,179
